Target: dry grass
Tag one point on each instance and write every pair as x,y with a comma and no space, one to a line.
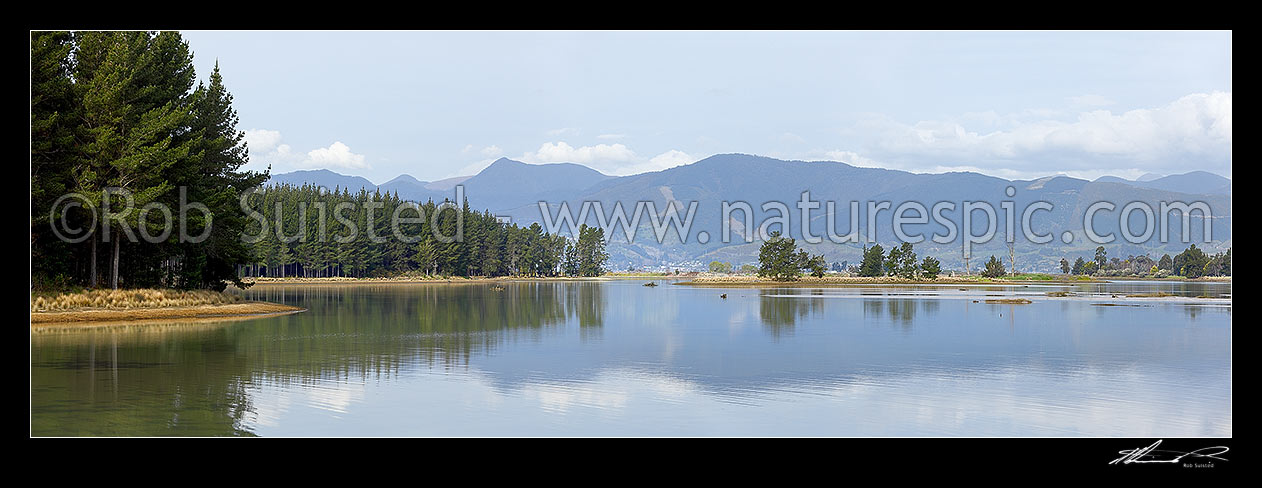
96,317
411,278
128,299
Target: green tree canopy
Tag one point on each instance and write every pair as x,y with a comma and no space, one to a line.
873,263
1079,266
720,267
591,251
901,262
930,268
115,117
778,260
994,268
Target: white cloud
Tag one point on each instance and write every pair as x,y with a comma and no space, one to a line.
854,159
489,151
266,149
613,159
557,152
262,141
670,159
337,155
1193,132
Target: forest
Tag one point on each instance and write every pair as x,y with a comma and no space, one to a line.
311,231
118,116
119,120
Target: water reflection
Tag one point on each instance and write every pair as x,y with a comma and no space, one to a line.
139,382
439,324
619,358
1208,289
780,313
898,311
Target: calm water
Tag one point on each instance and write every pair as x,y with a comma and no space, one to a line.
618,358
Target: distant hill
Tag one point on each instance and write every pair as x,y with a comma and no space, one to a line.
322,177
1196,182
1193,183
1113,179
446,184
756,179
409,188
509,184
505,184
513,189
405,180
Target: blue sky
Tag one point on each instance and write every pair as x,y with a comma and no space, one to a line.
1009,104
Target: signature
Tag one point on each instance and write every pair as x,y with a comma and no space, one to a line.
1151,454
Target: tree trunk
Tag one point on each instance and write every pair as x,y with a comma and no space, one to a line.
94,262
114,274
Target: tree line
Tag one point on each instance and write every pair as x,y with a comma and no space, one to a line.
1193,262
117,115
901,262
780,259
309,231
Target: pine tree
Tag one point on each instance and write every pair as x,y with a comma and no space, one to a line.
930,268
54,120
873,261
134,89
777,259
994,268
591,251
213,178
902,262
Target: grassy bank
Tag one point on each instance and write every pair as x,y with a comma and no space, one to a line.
127,299
112,306
411,279
650,274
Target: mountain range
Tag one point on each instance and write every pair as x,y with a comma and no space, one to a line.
1194,183
514,189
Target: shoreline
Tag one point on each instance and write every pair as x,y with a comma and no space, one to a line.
695,280
866,281
437,281
719,281
205,313
1211,279
752,281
